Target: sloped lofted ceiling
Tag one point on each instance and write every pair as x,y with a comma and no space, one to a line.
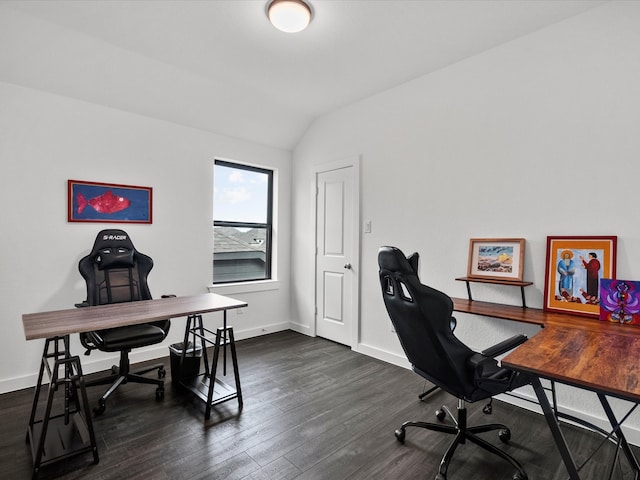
220,66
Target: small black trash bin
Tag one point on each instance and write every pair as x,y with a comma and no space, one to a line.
191,365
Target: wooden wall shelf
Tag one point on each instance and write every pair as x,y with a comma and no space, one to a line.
513,283
543,318
515,313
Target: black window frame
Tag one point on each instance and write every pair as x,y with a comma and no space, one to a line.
268,226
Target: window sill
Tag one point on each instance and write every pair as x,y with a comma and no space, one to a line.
244,287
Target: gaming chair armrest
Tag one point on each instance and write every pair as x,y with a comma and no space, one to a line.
504,346
489,376
487,373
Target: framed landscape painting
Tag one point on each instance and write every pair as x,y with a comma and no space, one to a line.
574,270
108,202
496,258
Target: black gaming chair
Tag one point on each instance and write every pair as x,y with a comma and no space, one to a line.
421,317
414,262
116,272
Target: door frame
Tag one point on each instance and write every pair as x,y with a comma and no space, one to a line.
353,162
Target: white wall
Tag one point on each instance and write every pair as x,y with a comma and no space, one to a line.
536,137
48,139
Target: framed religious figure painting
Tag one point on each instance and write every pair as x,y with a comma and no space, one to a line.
574,271
496,258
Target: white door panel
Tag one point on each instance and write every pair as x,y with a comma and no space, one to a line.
337,246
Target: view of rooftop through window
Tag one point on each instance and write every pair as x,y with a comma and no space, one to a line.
242,223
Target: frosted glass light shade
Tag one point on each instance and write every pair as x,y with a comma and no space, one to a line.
289,16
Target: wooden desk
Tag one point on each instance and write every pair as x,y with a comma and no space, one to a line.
596,356
580,351
56,326
88,319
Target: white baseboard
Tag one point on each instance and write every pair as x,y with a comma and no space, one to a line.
384,355
301,328
263,330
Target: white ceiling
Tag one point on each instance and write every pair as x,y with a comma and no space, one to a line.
219,66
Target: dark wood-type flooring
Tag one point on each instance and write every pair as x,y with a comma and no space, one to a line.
313,409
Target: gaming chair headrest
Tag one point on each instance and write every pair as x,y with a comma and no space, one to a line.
112,238
392,259
113,248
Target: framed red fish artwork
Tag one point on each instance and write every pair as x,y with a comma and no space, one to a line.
108,202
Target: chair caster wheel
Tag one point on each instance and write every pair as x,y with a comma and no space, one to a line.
505,435
159,394
400,435
162,373
519,476
488,409
440,414
102,406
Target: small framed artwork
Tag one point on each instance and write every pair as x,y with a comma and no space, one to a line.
496,258
574,270
108,202
620,301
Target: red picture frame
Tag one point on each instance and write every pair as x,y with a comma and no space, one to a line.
574,268
108,202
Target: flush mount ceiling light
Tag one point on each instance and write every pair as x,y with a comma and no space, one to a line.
290,16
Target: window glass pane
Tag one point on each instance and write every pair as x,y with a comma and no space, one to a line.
242,222
239,254
240,195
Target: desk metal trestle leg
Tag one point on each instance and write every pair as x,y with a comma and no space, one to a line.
56,437
552,416
617,431
554,426
207,386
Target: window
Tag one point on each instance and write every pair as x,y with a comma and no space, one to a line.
242,204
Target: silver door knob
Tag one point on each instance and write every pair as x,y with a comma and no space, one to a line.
347,266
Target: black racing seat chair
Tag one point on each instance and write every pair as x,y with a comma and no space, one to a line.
421,317
115,272
414,262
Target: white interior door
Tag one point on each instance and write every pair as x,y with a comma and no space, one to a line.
337,251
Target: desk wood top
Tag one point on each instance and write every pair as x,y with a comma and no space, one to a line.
602,360
87,319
